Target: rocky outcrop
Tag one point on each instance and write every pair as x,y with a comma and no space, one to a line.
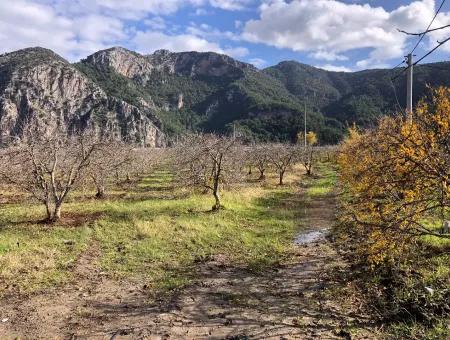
36,83
141,67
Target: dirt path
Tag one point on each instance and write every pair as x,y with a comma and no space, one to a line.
293,300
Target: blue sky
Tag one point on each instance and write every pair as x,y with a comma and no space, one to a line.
344,35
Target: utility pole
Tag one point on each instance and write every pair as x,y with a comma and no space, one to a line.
304,115
409,87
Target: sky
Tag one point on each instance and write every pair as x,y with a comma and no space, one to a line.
338,35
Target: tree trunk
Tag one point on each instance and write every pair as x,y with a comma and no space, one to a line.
261,175
48,210
446,227
100,192
216,189
57,214
217,204
281,177
250,170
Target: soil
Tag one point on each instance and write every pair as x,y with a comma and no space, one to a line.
297,299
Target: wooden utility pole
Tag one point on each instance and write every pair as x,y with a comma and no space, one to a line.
409,87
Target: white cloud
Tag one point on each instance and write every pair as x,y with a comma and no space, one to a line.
441,20
208,32
77,28
231,5
150,41
258,62
70,37
201,12
334,68
236,52
369,63
156,23
327,27
328,56
125,9
42,22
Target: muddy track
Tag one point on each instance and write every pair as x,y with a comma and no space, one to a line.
290,301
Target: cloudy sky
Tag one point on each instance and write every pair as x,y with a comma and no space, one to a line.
337,35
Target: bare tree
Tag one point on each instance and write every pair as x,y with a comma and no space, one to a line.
261,159
327,153
282,156
308,150
48,166
111,160
209,162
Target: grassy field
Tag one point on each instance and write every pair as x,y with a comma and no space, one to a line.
151,231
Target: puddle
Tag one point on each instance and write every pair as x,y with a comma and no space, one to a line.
310,237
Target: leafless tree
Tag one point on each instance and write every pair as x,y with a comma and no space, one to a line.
282,156
327,153
261,159
111,160
307,158
48,165
308,150
209,162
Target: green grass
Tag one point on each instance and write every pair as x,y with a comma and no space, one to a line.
324,184
34,256
151,232
416,330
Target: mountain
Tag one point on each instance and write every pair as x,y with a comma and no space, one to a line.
358,97
37,83
205,91
150,99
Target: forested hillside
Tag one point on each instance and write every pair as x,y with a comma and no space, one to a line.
359,97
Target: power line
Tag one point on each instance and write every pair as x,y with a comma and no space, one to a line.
402,62
422,35
431,23
440,43
396,97
399,72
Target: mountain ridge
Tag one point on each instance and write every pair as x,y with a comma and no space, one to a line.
160,95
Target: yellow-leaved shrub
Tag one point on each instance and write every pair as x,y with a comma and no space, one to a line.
396,178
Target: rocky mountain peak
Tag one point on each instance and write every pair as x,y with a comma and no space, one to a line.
121,60
30,57
141,68
36,83
162,52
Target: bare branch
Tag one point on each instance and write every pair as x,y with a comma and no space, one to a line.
424,32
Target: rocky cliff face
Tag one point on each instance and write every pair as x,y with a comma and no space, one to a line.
37,83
